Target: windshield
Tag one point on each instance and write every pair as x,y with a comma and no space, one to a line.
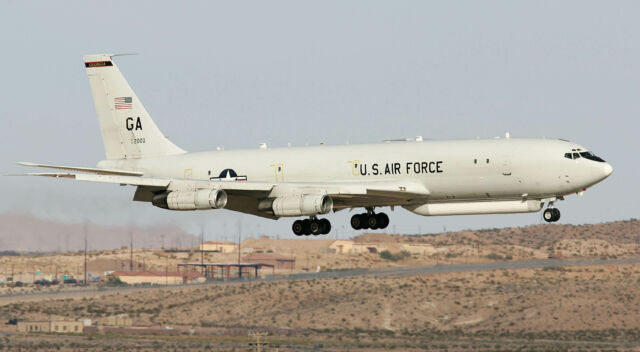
587,155
590,156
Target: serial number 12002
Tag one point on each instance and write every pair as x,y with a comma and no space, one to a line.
137,140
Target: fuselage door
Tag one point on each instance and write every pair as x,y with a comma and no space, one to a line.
278,169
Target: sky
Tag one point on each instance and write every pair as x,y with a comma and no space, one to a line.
235,74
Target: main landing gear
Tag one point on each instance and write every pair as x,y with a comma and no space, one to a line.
311,226
551,215
369,220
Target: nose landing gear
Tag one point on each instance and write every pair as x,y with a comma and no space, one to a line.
311,226
551,215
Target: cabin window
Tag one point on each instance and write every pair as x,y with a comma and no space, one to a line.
568,155
487,161
576,155
475,161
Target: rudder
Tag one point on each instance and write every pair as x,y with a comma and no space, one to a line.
128,132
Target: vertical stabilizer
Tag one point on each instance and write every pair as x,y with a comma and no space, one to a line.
128,132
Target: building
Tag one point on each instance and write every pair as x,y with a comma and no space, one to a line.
278,261
342,246
373,248
419,248
219,246
156,277
120,320
62,327
355,247
98,266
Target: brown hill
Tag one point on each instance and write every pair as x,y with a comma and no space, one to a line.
601,297
626,232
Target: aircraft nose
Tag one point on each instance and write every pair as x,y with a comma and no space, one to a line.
608,169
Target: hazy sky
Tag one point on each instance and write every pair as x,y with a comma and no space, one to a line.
234,74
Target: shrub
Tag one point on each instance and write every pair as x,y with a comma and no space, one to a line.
394,257
114,281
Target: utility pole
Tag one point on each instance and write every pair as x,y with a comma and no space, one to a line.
85,254
239,239
239,247
162,237
131,250
201,244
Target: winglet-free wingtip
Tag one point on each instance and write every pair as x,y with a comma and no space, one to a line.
124,54
97,57
103,57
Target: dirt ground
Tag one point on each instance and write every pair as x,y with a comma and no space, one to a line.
541,308
572,308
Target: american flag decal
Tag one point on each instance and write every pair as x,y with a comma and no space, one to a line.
123,103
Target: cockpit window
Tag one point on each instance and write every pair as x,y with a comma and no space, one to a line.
586,155
590,156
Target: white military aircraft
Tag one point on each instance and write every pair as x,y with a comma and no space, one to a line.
494,176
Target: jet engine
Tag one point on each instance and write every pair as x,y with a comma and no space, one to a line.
191,200
305,204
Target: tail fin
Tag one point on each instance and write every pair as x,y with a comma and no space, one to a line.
128,132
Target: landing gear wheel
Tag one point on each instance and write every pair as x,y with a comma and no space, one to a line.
306,227
372,221
383,220
325,226
364,221
298,228
314,227
551,215
356,224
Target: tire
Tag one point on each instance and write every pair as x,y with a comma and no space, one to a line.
298,228
372,221
315,228
383,220
556,214
305,227
325,225
548,215
356,224
364,221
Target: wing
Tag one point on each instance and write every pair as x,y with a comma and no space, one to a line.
84,169
245,195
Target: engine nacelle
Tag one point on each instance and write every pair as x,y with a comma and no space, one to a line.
301,205
191,200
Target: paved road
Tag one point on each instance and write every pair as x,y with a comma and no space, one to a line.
383,272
